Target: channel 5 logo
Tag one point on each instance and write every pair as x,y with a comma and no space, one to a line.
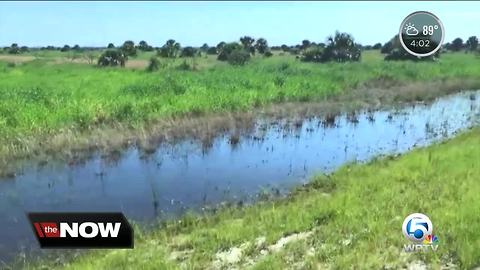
418,229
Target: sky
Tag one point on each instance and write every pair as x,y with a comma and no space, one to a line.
194,23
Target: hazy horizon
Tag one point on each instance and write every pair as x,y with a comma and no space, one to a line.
95,24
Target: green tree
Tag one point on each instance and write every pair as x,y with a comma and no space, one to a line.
212,50
65,48
377,46
143,46
110,46
247,42
188,52
204,47
128,48
220,45
14,49
456,45
472,43
305,44
170,49
261,45
227,49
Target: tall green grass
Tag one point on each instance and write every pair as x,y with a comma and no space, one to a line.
43,97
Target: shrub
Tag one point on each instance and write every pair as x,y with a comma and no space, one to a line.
341,48
184,66
227,49
294,51
456,45
65,48
212,50
387,47
188,52
312,54
112,58
268,54
399,54
238,57
153,64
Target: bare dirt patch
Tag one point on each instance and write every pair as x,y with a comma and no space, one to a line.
16,58
136,64
233,258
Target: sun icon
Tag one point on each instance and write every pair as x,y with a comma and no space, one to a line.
409,25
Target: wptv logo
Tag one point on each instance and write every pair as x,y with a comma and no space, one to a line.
82,230
418,229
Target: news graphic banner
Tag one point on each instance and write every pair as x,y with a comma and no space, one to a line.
81,230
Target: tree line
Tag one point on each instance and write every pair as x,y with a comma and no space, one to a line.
340,47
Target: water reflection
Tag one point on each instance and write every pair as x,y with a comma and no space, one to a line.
277,154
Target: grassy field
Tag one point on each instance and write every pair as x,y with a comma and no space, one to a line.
42,97
58,96
350,218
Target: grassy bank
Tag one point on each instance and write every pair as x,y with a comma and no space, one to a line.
41,99
350,218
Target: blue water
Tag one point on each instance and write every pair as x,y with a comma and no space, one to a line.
187,176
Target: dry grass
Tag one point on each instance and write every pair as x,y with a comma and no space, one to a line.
16,58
